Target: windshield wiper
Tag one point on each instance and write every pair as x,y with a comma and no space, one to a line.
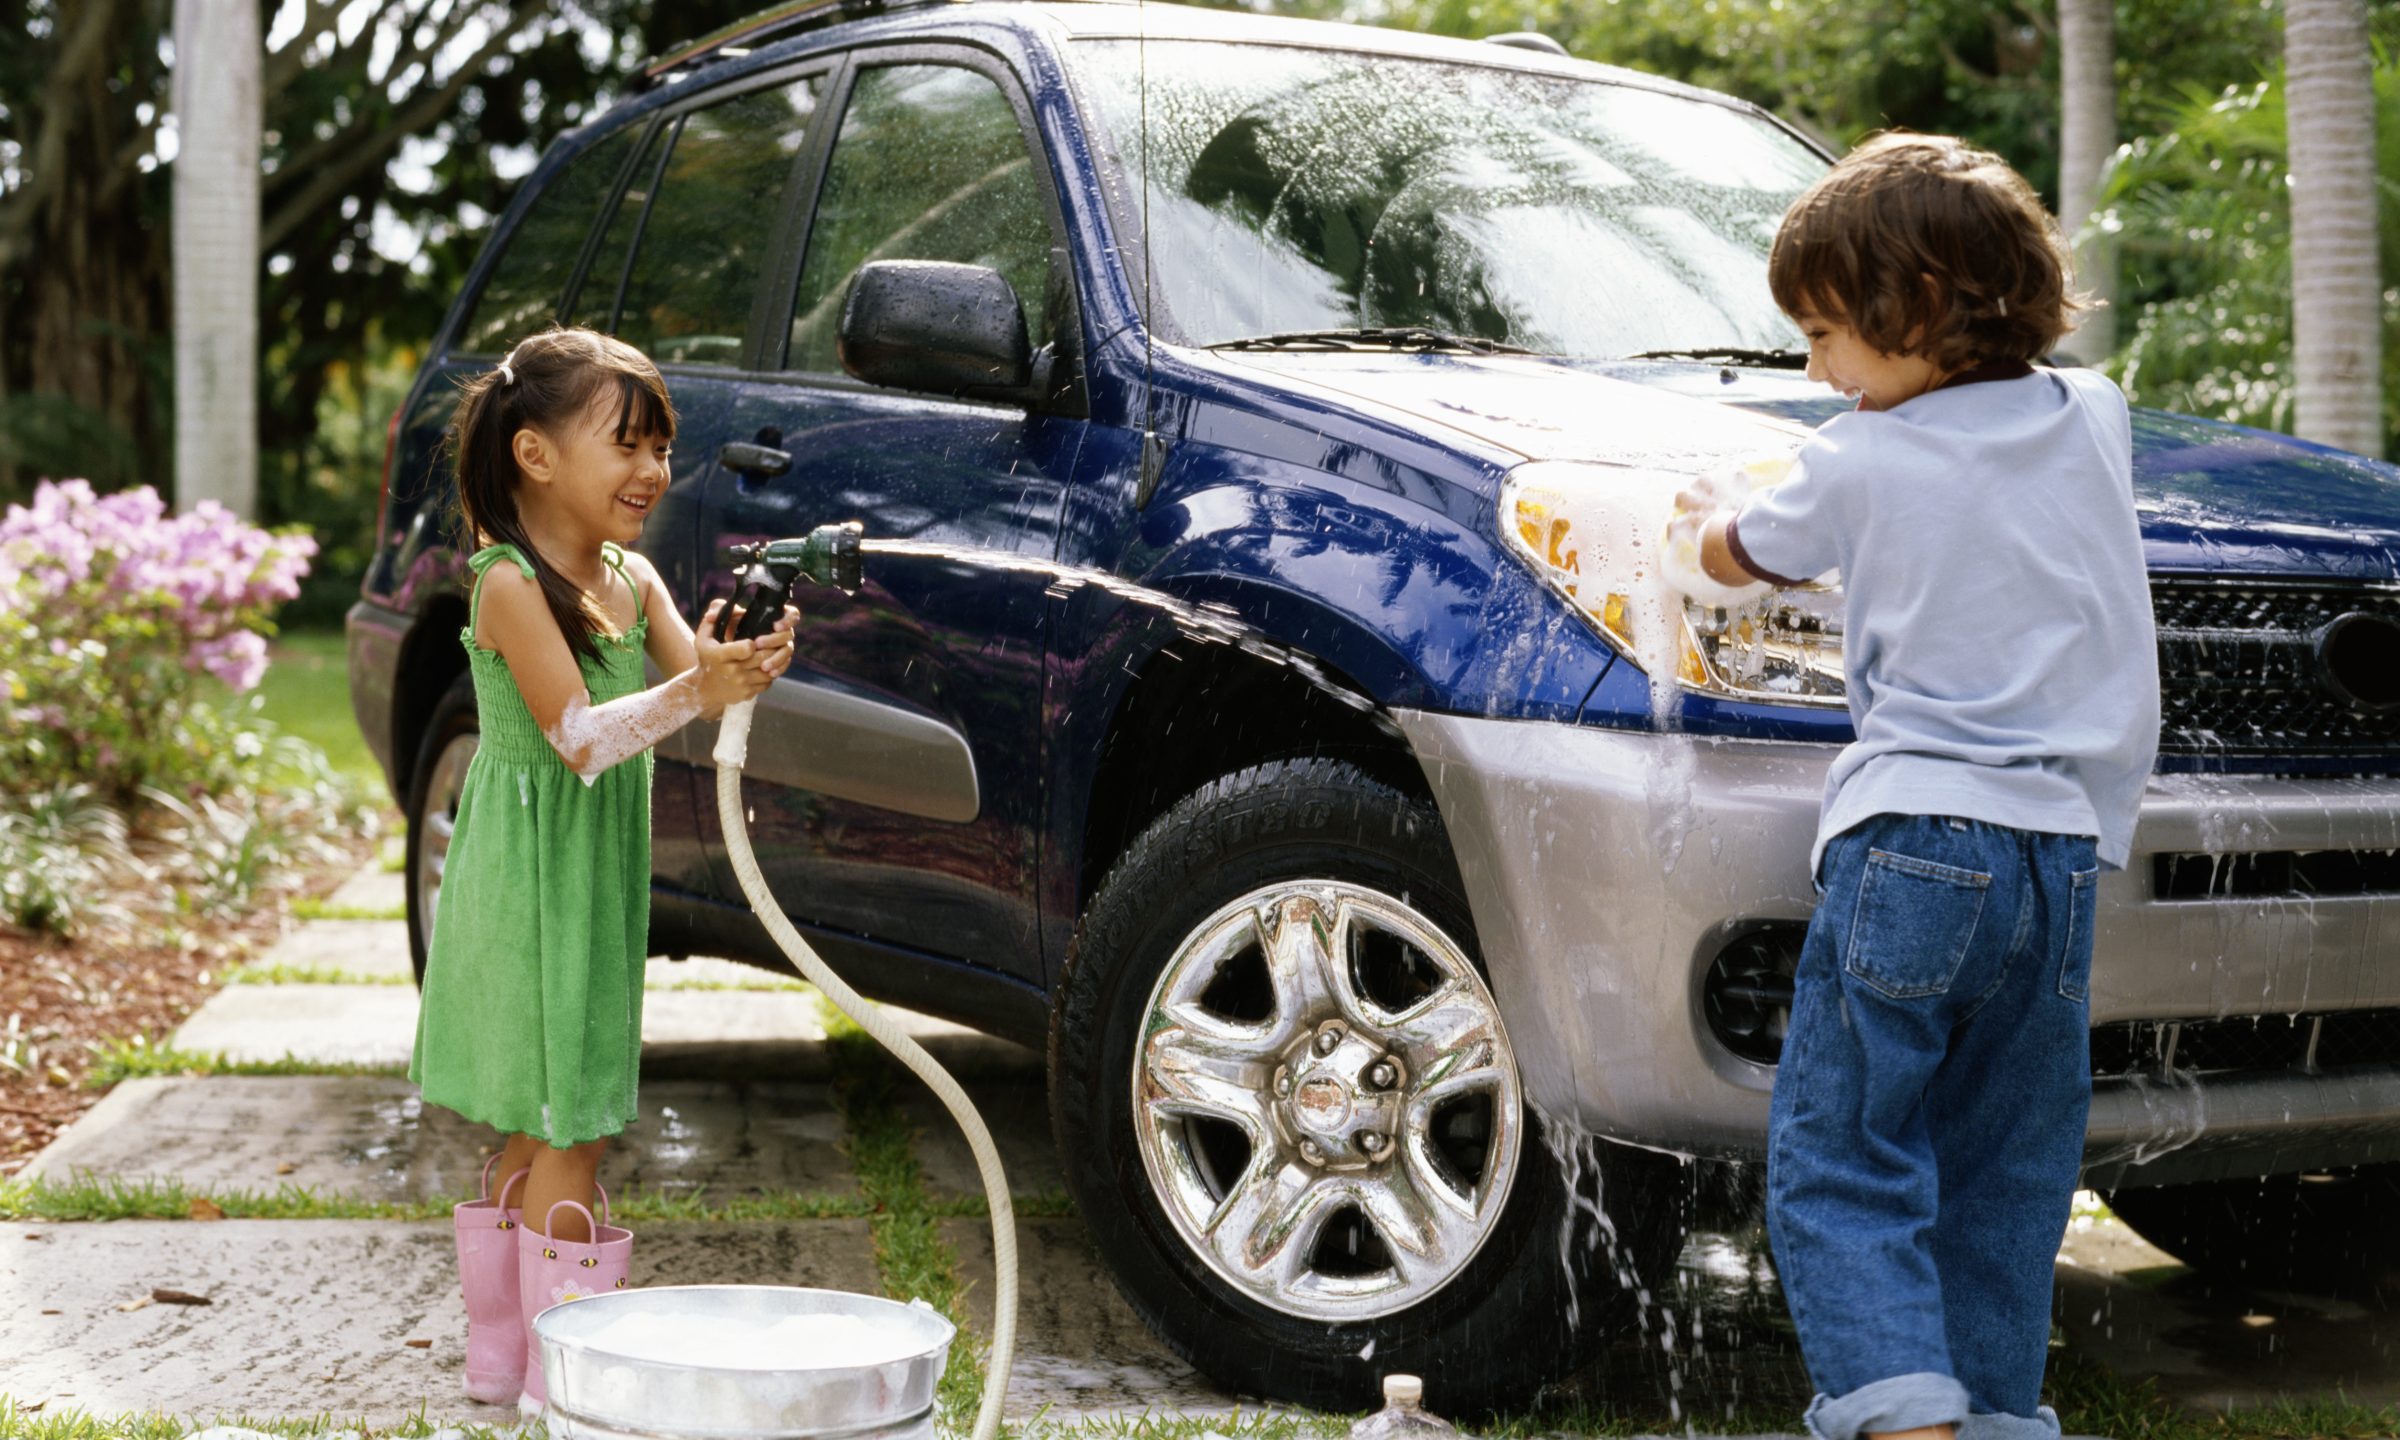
1391,337
1779,359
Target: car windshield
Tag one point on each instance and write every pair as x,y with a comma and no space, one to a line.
1310,190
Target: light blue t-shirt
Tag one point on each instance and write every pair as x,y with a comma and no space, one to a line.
1997,634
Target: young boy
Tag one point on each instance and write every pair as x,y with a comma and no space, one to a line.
1929,1113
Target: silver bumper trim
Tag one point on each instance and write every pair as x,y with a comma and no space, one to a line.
1606,868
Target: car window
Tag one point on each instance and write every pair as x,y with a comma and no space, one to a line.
524,291
595,305
1285,189
711,225
929,164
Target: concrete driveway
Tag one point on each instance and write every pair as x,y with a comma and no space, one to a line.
361,1318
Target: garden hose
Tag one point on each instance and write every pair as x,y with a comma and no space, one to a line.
732,751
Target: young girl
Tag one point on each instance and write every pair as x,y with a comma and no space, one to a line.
531,1018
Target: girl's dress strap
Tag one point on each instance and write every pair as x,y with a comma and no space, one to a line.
485,559
614,554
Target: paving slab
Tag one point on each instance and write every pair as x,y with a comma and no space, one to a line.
377,1024
372,888
368,948
2214,1345
1018,1114
370,1137
1081,1351
312,1317
686,1033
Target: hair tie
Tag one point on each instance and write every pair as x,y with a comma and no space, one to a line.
507,375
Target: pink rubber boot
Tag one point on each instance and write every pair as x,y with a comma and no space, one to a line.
553,1272
487,1278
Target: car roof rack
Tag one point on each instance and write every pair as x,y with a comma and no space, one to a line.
778,22
773,23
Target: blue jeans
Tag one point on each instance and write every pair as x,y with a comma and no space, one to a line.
1928,1122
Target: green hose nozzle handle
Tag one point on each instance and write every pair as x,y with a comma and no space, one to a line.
827,555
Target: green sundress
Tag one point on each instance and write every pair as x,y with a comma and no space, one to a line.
531,1019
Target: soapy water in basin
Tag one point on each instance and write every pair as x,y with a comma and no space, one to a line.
793,1342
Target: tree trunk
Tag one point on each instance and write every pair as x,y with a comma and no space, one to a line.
2087,65
217,62
83,289
2337,294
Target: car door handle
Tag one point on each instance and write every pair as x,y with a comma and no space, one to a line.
753,459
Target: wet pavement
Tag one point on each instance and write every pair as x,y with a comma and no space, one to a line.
361,1319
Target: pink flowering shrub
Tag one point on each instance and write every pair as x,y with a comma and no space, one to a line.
111,611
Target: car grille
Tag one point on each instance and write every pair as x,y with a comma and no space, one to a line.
2238,671
2326,1041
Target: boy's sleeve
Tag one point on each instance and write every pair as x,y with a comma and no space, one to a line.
1789,532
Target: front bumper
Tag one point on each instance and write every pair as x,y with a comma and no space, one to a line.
1606,869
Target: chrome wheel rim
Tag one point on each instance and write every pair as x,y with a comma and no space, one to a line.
440,820
1325,1101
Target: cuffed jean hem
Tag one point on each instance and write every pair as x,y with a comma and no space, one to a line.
2042,1426
1904,1402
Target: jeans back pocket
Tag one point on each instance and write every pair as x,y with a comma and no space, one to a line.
1914,922
2075,959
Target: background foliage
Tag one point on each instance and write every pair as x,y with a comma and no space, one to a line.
395,130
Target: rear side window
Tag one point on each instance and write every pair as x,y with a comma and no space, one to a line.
930,164
524,291
595,305
710,226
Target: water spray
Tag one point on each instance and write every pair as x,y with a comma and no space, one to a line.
830,555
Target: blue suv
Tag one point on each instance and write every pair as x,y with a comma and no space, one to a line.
1357,340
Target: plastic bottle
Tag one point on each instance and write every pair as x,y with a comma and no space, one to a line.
1403,1416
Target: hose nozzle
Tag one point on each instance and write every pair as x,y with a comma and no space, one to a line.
827,555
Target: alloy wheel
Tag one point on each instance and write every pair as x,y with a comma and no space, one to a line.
1326,1101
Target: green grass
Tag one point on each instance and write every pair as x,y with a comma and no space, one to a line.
306,693
136,1058
1044,1205
307,909
911,1258
19,1422
264,974
98,1198
90,1197
1169,1425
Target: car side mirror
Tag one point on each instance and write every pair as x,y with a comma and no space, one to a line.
929,325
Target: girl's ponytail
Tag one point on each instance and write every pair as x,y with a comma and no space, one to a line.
546,383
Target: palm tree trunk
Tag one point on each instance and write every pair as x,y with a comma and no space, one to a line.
217,62
2337,294
2087,31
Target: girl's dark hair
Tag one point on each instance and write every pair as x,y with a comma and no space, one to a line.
547,383
1856,246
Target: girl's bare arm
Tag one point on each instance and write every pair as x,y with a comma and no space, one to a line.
590,738
673,646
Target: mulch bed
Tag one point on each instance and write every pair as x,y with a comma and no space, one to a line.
69,997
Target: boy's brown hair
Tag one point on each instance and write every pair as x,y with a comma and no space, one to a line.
1857,246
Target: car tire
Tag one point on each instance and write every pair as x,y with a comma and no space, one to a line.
1194,1094
2329,1232
435,782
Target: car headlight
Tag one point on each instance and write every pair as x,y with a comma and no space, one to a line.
1592,533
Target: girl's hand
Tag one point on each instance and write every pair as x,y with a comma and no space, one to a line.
732,671
775,648
726,671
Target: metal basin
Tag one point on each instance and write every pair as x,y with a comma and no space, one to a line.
685,1362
